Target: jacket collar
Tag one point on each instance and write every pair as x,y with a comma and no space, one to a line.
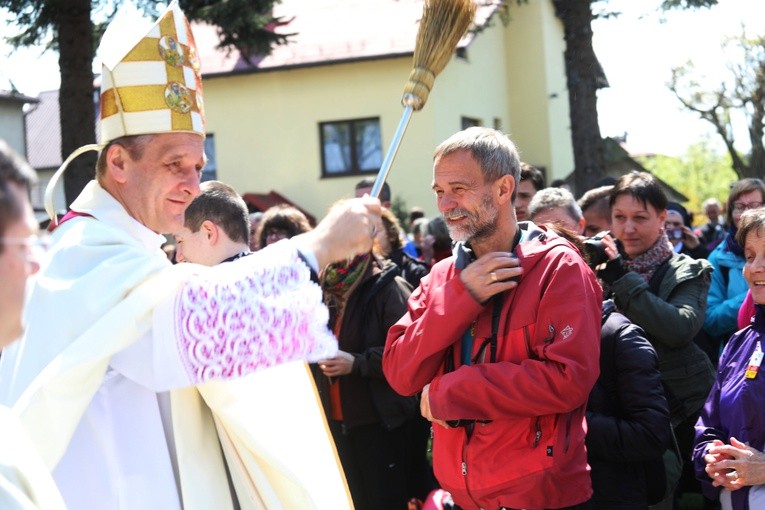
534,241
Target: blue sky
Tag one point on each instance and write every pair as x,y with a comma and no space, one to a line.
637,51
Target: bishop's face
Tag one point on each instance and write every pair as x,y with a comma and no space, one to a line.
157,188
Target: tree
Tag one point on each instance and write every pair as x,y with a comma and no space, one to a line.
699,174
67,25
584,76
740,91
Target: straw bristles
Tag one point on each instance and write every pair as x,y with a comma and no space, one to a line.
443,24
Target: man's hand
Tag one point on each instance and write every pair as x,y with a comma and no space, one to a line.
425,407
491,274
346,231
690,239
609,246
340,364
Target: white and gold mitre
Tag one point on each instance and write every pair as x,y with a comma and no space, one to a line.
151,82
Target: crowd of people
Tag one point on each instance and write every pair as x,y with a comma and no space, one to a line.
528,408
522,349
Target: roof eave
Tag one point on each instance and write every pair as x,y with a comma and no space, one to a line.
304,65
18,98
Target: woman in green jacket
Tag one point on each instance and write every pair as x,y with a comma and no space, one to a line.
663,292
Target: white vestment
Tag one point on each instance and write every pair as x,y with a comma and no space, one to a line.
25,482
111,325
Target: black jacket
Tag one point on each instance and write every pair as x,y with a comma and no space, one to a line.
627,414
377,303
412,270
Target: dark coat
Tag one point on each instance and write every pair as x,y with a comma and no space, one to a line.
671,316
627,415
699,252
377,303
412,270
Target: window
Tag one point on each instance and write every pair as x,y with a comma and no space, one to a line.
468,122
210,171
350,147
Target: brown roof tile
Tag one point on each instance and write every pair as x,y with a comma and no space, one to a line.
328,31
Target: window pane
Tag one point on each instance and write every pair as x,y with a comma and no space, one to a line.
337,148
368,145
468,122
210,171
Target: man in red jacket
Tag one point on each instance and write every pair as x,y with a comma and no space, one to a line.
502,340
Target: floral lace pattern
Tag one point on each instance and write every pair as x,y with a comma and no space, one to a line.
229,326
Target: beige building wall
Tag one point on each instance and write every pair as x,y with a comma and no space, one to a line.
266,125
12,125
538,96
266,129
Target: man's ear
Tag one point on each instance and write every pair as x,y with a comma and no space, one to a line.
116,163
505,186
211,231
582,223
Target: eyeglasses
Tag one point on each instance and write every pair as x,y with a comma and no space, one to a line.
740,207
34,246
277,234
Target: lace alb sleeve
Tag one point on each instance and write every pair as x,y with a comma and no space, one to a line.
258,311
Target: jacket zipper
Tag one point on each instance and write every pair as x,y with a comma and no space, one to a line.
568,432
464,469
537,432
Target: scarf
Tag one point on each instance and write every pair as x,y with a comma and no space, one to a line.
649,261
731,244
339,280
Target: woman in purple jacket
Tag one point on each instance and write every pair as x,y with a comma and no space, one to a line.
730,433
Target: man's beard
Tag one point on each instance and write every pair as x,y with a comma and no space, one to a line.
480,225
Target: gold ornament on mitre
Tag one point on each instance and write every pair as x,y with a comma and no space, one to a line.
150,81
151,85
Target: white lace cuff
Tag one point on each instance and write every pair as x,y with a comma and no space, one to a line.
258,311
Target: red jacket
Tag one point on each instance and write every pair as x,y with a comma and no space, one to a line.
532,454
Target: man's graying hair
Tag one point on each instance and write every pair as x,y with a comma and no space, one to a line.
493,150
549,198
134,144
752,220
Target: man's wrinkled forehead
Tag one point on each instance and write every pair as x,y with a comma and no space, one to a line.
180,145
